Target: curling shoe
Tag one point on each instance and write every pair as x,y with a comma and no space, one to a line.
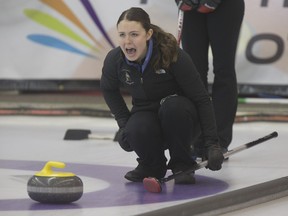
135,175
139,173
188,178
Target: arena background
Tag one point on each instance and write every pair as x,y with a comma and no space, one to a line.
51,59
59,45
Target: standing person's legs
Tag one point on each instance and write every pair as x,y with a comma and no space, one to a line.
179,122
144,135
195,41
224,27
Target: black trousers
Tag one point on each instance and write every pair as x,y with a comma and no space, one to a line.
172,128
220,30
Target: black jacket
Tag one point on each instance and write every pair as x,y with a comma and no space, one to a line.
148,88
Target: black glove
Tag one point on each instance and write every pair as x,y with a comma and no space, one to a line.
208,6
120,137
215,157
186,5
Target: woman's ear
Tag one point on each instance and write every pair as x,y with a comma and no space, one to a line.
149,34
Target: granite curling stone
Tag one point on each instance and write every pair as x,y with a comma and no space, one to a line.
52,187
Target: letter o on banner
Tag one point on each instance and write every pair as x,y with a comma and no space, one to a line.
272,37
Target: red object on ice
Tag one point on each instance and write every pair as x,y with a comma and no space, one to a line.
152,185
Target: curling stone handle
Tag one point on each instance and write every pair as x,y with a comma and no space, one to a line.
48,166
47,170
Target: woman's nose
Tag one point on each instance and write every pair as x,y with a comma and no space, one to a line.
127,39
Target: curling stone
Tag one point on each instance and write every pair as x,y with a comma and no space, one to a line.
48,186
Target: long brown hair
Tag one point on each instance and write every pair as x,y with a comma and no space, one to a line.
166,42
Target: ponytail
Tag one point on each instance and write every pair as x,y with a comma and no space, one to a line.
167,45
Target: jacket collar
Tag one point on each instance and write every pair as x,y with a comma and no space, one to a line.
142,67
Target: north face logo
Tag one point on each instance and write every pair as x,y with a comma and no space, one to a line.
160,71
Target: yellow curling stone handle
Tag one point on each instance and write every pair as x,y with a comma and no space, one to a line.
48,172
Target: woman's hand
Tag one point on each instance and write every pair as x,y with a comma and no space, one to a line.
120,137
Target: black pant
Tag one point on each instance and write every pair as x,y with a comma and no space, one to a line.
220,30
172,128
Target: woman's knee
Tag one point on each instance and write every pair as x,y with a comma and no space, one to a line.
178,106
143,126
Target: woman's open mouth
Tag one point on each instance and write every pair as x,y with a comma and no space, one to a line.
131,51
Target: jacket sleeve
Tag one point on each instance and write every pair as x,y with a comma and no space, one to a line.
190,82
110,87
